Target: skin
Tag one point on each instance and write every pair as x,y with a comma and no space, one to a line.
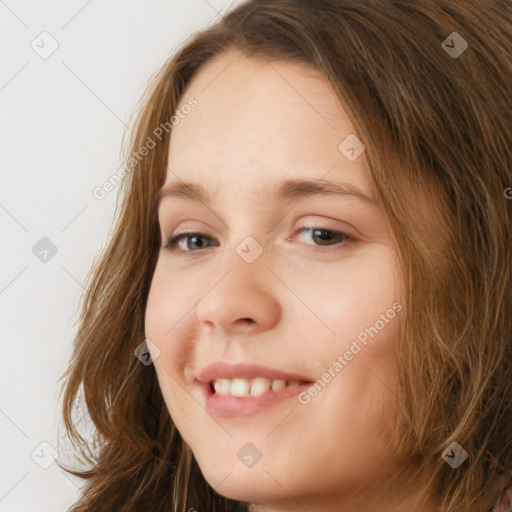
256,124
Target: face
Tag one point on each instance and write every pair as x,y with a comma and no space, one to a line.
287,273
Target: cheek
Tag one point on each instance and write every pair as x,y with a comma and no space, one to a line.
168,302
168,325
164,310
161,322
156,322
353,298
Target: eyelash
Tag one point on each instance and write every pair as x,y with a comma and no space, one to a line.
173,242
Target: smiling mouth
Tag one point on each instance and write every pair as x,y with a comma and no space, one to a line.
243,388
238,400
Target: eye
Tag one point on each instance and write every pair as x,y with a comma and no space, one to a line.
327,238
196,237
324,238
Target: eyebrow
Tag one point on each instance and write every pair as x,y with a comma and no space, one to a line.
291,188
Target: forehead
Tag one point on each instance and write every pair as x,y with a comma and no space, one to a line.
243,79
261,120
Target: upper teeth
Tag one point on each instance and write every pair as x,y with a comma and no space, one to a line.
253,387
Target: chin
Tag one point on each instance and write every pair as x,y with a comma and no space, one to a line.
246,485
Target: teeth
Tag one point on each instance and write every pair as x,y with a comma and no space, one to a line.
254,387
240,387
260,386
223,386
278,384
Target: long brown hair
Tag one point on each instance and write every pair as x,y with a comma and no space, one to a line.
437,131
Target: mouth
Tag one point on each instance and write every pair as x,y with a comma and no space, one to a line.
242,389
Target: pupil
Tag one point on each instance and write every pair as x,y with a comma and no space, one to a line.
323,234
196,238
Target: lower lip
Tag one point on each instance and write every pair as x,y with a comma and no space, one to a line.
229,405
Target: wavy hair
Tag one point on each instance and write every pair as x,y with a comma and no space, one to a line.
437,132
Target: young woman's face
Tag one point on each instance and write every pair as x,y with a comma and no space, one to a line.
278,274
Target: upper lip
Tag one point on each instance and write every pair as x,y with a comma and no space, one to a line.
244,370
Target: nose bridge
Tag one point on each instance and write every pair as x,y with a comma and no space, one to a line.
247,248
249,257
243,289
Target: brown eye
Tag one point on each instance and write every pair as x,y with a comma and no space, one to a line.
193,238
323,237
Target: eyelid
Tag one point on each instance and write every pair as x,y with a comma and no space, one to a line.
181,234
346,229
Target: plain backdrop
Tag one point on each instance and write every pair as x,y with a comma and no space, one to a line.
71,74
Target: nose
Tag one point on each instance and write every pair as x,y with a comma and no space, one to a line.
240,300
